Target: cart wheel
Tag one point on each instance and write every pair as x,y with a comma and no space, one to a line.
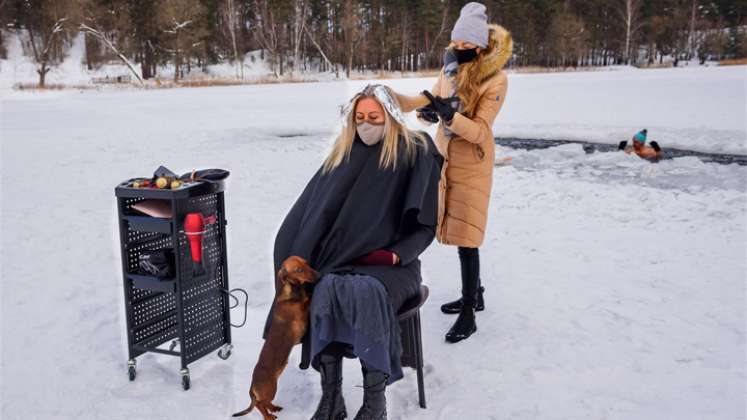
173,344
131,369
225,351
185,379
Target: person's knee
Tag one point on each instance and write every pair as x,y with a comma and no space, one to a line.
322,291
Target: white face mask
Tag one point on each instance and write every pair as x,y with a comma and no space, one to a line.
370,133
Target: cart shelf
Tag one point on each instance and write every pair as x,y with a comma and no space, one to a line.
149,224
153,283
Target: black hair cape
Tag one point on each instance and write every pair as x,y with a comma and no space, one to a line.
358,208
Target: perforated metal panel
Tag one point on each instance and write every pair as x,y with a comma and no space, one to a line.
202,298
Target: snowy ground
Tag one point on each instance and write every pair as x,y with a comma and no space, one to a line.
615,288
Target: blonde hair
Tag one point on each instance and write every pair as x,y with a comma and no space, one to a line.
393,132
468,78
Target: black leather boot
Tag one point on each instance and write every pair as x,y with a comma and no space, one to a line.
332,405
465,324
454,307
469,260
374,398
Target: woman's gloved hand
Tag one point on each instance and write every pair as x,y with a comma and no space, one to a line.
427,113
378,257
441,106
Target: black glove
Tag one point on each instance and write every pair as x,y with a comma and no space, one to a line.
441,106
622,145
428,113
655,146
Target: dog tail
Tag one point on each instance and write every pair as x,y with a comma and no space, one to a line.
245,412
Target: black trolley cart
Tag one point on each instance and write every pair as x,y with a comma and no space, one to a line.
191,309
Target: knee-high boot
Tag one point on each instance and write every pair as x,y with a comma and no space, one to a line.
465,324
455,307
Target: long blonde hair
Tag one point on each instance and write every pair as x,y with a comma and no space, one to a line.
469,77
393,132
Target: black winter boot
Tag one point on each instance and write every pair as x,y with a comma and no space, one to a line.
332,405
465,324
374,398
454,307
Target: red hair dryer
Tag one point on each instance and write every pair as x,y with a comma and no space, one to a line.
194,228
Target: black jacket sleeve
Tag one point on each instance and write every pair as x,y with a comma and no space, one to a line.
409,247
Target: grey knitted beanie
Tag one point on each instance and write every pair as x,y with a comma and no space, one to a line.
472,25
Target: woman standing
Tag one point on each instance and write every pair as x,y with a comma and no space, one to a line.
361,222
465,101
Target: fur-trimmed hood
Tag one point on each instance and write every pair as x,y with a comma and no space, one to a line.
497,59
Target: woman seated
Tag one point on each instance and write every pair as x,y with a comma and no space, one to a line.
362,221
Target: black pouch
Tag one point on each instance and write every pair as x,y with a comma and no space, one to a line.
157,262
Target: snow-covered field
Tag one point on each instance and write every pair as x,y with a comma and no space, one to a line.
615,288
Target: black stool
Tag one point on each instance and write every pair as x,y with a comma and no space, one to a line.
412,343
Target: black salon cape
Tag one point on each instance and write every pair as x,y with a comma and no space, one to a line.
358,208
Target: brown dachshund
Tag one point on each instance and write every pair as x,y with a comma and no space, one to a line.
289,322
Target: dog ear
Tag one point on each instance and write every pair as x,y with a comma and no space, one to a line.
282,275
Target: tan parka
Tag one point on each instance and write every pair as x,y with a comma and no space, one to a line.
467,173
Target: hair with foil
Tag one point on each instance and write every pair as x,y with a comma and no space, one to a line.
395,131
382,95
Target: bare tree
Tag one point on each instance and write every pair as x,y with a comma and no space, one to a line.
102,37
568,37
231,18
441,30
299,23
319,48
631,17
46,23
182,20
266,31
352,33
691,34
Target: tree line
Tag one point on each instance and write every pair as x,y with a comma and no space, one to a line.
343,36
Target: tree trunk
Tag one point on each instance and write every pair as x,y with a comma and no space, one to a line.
42,74
691,35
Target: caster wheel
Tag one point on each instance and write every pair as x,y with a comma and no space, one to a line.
225,351
131,372
185,379
173,344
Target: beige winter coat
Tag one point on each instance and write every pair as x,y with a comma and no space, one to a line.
467,174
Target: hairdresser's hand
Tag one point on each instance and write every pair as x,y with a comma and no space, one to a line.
427,113
441,106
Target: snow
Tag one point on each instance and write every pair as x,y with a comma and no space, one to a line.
615,288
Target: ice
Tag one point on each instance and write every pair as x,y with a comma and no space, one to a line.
615,288
687,173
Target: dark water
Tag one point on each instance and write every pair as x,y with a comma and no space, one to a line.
590,147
